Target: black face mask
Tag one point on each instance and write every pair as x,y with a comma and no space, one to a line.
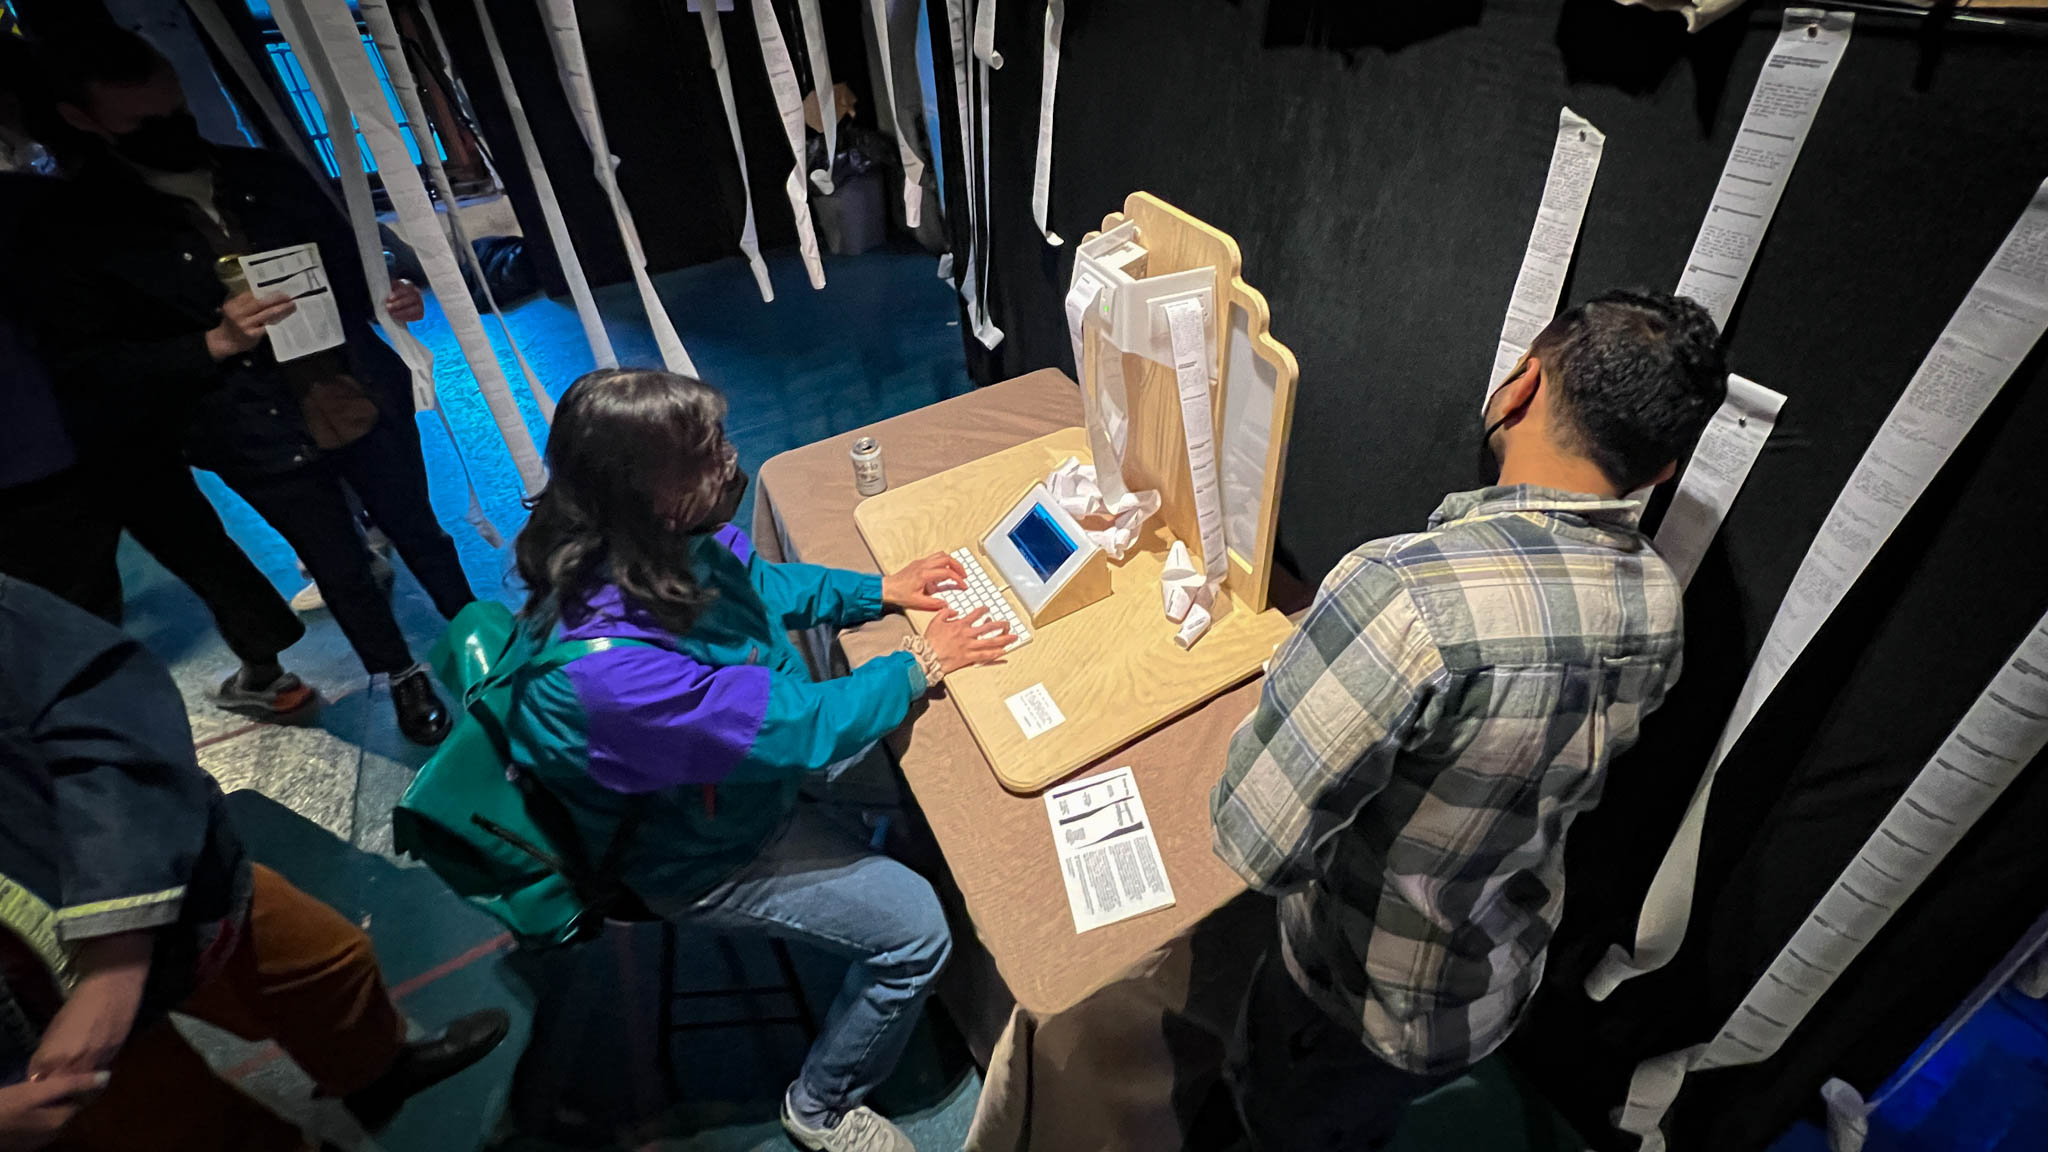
1489,464
166,143
728,505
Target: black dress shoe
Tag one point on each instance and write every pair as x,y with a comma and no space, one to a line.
425,1063
421,715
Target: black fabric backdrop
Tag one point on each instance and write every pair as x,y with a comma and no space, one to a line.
1380,166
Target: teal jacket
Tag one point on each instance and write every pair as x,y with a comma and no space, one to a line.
715,727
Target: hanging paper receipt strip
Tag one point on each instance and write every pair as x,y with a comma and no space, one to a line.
1999,736
1184,320
721,67
1048,91
550,208
1721,461
1998,322
913,164
327,29
362,218
1574,161
1781,110
566,36
790,104
384,32
813,24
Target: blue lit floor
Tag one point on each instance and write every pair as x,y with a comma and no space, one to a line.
313,797
1986,1090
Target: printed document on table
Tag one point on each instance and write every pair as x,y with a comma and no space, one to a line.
296,272
1107,852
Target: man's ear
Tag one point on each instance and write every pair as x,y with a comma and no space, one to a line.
1511,400
1668,471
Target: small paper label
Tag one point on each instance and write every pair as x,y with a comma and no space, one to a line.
1035,712
1108,857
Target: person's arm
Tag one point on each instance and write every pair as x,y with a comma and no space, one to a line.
133,807
656,718
805,595
97,362
1341,699
34,1112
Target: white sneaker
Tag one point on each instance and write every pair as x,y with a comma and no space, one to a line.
861,1130
308,599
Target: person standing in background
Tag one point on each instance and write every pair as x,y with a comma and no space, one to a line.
1448,707
143,335
65,499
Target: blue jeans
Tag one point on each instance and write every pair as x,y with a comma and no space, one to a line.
818,882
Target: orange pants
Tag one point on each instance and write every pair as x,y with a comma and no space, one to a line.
303,976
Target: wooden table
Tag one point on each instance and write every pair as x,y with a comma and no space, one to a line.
998,845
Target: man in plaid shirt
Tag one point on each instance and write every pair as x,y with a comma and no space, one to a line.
1449,705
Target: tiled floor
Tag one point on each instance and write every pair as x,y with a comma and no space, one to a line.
313,797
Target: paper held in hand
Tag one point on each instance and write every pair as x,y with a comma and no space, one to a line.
1107,852
296,272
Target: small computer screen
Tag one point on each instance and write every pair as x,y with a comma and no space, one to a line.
1043,543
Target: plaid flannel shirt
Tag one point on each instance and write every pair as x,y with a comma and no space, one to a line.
1423,742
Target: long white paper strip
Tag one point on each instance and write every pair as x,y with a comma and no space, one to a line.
2001,318
906,150
1092,357
790,103
324,38
358,206
384,33
1573,163
974,159
721,67
985,34
1720,463
550,208
1191,358
1781,110
1999,736
228,45
821,86
1041,171
566,37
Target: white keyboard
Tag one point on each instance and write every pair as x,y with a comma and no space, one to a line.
981,592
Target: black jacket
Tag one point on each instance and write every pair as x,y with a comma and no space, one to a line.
128,304
107,822
34,443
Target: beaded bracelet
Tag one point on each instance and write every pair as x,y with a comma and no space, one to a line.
927,659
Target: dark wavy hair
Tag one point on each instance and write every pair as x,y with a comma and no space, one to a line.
1638,376
636,459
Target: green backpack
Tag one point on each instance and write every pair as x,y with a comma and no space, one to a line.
488,828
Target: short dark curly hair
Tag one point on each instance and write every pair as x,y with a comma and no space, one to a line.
1637,376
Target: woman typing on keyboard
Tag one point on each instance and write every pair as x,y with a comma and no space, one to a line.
704,718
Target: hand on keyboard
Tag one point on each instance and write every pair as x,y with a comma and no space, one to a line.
979,593
963,639
917,584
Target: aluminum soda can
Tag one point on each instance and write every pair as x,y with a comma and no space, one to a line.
868,479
